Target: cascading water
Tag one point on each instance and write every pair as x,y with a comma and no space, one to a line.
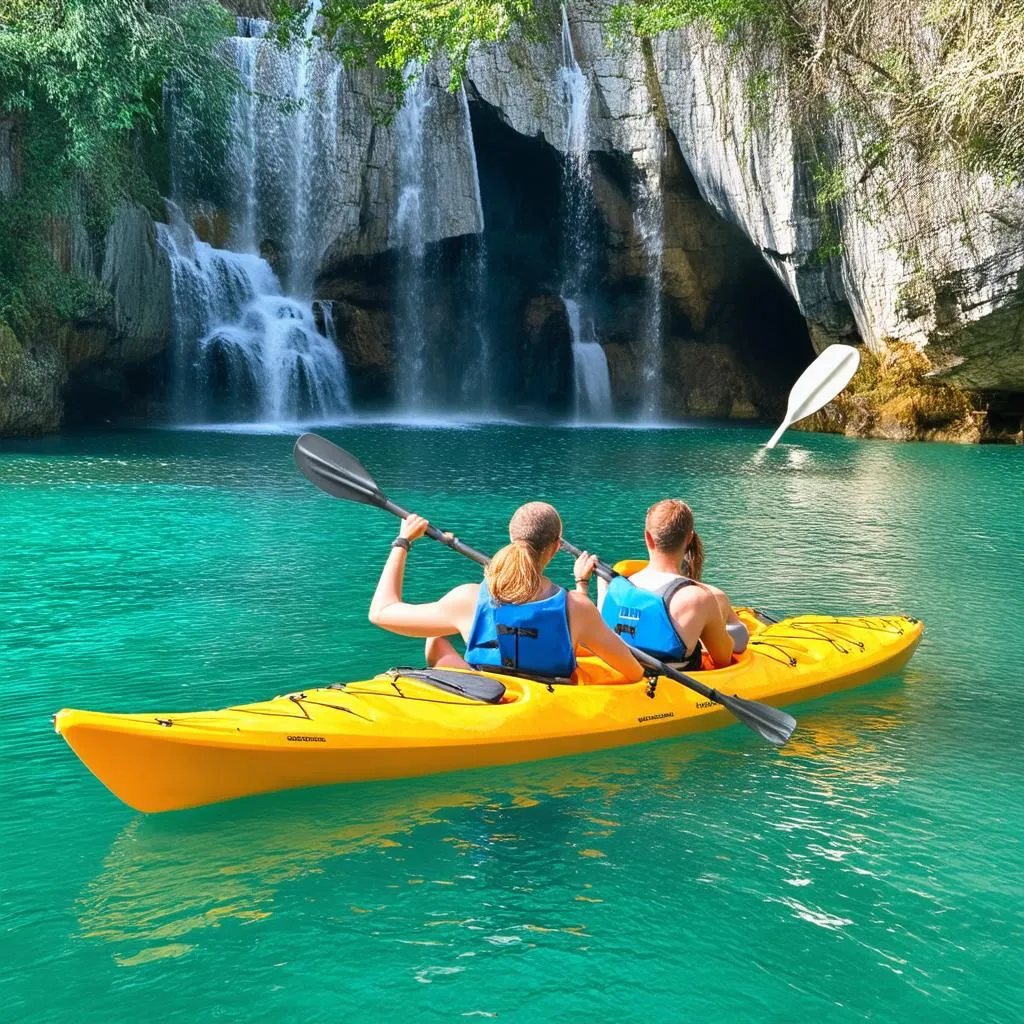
451,362
478,383
246,351
592,385
410,328
590,367
648,219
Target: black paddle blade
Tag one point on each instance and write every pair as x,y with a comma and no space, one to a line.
772,724
336,471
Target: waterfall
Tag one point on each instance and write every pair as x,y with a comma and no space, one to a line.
244,48
648,219
449,363
478,388
410,329
592,385
248,349
237,335
590,367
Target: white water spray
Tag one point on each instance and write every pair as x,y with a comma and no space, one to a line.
593,398
590,367
245,350
648,220
410,329
478,389
238,337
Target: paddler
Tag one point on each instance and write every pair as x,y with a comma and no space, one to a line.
516,621
664,608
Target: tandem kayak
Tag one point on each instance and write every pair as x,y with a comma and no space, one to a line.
410,722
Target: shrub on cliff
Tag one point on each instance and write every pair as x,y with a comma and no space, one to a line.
82,81
939,74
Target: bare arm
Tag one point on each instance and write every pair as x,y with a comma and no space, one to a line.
714,635
698,617
589,630
450,615
724,604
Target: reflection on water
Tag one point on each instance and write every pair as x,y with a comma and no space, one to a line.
167,877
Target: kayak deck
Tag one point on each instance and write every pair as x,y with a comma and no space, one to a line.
396,726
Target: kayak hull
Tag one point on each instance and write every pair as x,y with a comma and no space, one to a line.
395,727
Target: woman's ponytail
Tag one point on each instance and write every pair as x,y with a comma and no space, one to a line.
693,559
513,575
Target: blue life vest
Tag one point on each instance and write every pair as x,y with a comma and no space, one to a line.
531,638
642,619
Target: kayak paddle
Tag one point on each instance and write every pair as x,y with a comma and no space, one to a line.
774,725
818,385
342,475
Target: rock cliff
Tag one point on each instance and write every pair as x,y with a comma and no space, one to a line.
770,241
906,248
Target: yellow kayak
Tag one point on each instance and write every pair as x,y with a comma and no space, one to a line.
407,723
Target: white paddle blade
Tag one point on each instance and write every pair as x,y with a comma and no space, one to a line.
818,385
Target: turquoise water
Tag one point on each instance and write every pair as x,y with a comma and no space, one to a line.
871,870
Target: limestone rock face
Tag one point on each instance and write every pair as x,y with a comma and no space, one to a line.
89,364
137,273
928,253
545,356
922,251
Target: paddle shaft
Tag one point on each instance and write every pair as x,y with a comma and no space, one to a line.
339,473
371,494
448,539
603,569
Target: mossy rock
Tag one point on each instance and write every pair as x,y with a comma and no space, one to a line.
893,397
12,355
30,387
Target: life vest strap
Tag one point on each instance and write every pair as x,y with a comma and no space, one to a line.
530,634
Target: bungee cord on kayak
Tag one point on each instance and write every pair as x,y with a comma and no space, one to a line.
409,722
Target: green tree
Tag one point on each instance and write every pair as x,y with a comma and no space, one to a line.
82,82
396,34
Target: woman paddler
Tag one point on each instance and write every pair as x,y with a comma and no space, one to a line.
516,621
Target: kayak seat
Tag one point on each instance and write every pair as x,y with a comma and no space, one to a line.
463,684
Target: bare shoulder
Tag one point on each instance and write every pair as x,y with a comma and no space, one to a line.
462,596
580,606
693,599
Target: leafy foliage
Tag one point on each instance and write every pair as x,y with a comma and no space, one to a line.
82,83
724,17
395,35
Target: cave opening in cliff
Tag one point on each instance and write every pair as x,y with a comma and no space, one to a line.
520,191
731,312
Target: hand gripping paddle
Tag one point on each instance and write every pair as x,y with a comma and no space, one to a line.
341,474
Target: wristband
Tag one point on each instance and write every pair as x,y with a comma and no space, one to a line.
585,582
401,542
